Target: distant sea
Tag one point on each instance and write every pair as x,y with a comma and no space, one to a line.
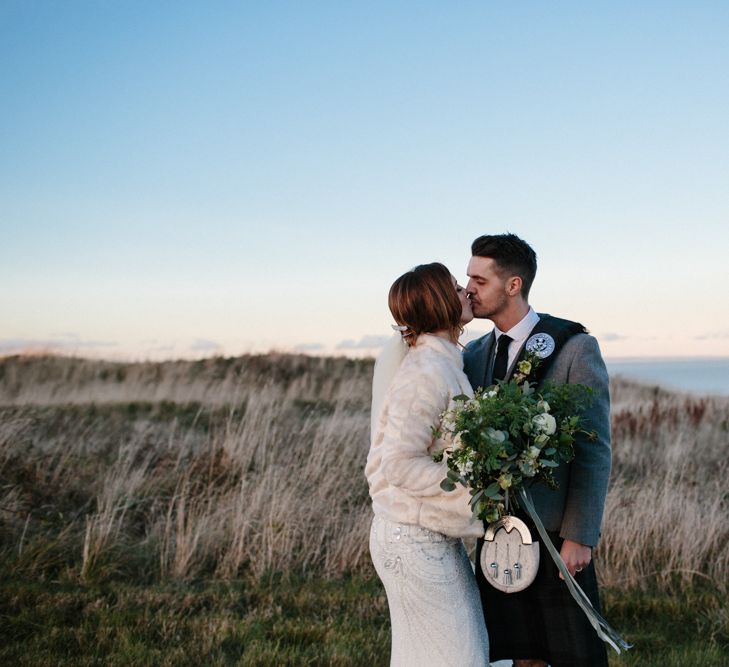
699,376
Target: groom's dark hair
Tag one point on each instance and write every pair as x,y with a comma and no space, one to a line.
512,255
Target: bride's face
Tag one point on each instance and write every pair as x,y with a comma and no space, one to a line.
466,312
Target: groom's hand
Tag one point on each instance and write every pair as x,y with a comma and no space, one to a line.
576,556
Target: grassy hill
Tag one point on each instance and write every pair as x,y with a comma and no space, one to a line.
216,512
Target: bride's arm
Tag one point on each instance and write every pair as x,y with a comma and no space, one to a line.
414,410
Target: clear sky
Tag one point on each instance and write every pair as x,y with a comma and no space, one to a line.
189,178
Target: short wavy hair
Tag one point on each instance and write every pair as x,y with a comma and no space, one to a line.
424,301
512,255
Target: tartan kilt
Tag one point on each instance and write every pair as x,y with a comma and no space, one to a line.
543,621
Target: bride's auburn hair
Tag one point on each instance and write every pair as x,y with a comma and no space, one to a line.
424,300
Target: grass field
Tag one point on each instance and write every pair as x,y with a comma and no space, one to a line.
215,512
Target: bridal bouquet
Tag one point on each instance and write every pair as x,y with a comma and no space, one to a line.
507,434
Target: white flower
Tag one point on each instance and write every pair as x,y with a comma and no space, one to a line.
448,422
543,406
527,467
458,440
545,423
465,466
533,452
496,436
492,393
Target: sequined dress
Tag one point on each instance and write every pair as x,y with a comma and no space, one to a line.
435,611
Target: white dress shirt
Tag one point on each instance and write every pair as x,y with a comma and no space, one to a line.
519,333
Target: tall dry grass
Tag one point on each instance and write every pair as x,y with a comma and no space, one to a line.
241,467
667,512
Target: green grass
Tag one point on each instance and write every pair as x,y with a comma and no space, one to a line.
291,622
294,622
682,629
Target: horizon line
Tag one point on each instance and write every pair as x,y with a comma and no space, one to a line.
131,359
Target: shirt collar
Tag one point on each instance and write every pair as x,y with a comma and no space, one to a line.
521,329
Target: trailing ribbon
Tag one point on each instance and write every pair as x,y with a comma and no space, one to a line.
602,627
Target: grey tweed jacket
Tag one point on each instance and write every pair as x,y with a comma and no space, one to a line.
575,508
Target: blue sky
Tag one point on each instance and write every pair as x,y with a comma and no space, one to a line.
179,179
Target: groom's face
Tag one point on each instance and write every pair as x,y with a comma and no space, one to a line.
486,288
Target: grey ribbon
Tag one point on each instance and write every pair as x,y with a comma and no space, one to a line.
602,627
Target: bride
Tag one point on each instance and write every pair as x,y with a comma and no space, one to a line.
415,543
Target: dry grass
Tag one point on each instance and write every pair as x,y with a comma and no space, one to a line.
667,515
247,466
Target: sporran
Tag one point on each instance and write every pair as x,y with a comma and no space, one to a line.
509,556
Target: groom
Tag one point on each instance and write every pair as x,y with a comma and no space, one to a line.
542,624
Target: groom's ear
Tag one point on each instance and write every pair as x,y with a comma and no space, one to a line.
513,285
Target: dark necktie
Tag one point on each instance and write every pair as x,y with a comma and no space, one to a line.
502,357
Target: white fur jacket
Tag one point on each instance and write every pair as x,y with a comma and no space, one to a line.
404,480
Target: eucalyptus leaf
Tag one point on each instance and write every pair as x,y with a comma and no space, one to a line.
447,485
493,490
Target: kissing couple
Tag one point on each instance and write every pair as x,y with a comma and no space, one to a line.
441,612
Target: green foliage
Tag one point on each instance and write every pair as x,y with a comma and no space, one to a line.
509,433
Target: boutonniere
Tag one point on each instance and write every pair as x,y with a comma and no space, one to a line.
526,366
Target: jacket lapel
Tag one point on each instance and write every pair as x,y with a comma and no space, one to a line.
476,361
